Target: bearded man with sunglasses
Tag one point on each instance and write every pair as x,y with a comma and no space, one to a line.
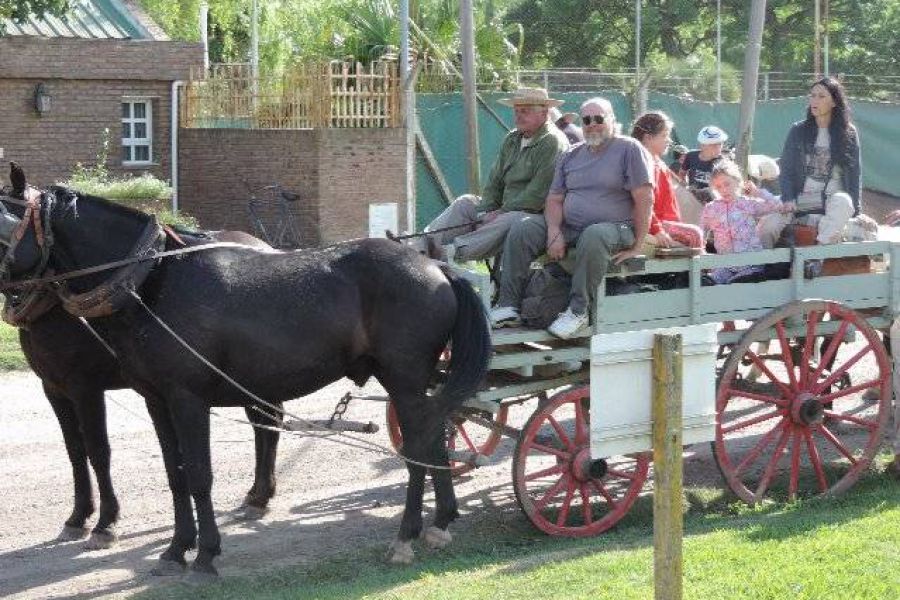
516,187
599,205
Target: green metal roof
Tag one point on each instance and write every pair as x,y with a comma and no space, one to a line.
87,19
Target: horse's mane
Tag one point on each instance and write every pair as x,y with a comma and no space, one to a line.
68,199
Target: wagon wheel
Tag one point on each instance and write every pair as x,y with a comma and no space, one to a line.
463,435
803,428
559,487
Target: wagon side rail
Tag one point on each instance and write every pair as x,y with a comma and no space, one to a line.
876,293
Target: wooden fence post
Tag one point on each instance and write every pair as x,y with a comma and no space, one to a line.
667,466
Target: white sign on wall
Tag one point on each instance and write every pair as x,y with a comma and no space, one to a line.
383,216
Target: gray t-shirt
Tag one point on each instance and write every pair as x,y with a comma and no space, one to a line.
818,165
597,185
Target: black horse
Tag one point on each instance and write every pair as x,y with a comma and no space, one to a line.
75,370
281,325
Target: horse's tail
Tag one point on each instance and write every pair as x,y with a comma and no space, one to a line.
471,350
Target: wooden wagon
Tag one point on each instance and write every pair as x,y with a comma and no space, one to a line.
802,378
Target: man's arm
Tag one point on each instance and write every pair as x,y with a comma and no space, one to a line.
553,214
492,193
643,208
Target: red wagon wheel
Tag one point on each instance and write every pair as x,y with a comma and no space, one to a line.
561,489
464,436
811,424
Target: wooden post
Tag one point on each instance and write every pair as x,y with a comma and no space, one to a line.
667,466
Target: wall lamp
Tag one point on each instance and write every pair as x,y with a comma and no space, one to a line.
41,99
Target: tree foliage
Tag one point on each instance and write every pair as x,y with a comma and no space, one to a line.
20,10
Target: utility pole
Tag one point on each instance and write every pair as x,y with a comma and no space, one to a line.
639,104
409,117
718,50
254,49
751,75
467,40
204,35
825,36
817,50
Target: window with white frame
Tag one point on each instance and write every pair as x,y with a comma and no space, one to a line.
137,131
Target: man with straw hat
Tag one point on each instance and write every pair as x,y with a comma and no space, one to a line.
517,185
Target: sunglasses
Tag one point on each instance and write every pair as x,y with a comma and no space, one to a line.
596,119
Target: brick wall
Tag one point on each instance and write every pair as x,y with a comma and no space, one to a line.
337,172
87,80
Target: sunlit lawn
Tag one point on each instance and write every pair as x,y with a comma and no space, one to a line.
847,547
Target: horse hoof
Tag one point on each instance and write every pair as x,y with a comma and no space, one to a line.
400,553
101,540
436,538
249,512
167,568
72,534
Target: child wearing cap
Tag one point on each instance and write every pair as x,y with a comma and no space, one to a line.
698,164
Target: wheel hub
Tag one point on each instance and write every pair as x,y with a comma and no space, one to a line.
584,468
807,410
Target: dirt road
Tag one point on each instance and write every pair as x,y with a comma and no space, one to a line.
330,497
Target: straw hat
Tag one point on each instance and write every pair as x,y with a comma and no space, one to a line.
530,97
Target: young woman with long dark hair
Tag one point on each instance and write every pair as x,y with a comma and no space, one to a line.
820,166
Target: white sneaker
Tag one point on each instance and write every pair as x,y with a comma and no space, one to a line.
568,325
504,316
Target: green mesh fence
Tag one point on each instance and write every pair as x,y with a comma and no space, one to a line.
442,124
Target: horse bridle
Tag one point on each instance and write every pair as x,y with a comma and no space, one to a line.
37,212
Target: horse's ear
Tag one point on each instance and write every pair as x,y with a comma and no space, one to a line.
17,179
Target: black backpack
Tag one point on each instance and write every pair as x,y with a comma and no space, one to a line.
546,295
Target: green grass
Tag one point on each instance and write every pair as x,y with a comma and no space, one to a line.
844,547
11,357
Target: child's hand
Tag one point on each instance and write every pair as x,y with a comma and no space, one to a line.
750,188
788,207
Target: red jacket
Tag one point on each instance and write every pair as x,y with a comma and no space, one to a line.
665,207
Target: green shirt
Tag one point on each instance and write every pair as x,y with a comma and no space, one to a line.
520,179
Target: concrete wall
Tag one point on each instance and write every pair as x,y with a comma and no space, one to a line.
337,172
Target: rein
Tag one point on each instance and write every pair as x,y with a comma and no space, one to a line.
150,255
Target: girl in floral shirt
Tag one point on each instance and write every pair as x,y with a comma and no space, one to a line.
732,219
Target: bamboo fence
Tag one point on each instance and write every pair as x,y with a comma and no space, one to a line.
311,95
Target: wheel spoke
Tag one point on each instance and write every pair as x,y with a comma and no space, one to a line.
786,354
586,508
554,470
601,489
549,450
839,372
850,390
870,425
759,447
552,493
768,373
560,432
465,436
753,421
828,435
832,349
795,465
816,461
581,420
732,392
564,511
812,320
772,465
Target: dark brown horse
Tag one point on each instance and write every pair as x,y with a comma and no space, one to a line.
282,325
75,370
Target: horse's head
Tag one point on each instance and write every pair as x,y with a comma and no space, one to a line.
20,243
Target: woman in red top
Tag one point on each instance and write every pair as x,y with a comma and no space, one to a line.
666,229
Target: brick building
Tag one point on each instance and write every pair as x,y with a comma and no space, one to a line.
63,81
108,66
